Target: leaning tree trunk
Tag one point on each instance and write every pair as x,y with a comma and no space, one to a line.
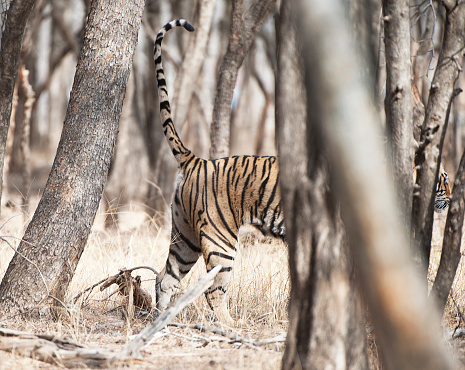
242,34
46,258
347,126
326,322
11,38
428,155
452,243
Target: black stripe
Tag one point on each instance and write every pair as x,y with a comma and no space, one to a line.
228,186
212,240
191,245
167,122
199,164
215,289
270,199
165,105
244,189
218,209
169,271
219,254
179,259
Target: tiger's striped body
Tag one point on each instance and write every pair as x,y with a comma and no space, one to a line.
443,191
212,199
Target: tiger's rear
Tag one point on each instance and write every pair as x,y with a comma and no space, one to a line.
212,200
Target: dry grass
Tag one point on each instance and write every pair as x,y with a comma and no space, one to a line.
258,293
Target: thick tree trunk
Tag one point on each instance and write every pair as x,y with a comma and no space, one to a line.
16,19
392,287
55,239
241,37
429,154
398,102
326,324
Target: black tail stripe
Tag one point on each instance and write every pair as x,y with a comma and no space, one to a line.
177,148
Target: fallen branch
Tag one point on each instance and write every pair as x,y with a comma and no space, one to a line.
232,338
53,350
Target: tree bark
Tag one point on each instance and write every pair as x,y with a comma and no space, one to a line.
326,324
391,285
398,102
429,154
55,239
12,36
242,34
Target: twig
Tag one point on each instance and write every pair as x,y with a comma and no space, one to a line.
25,137
111,278
233,338
2,238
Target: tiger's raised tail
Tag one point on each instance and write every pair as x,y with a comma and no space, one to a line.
180,152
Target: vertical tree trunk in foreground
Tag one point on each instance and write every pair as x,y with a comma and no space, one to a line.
241,37
407,327
16,19
433,131
326,322
55,239
398,102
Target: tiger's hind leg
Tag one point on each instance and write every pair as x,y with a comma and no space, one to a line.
183,254
219,253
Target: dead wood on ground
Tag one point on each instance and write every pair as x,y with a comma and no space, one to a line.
54,350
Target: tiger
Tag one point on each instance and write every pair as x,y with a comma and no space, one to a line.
443,191
212,200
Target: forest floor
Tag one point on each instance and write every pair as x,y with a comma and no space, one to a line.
258,295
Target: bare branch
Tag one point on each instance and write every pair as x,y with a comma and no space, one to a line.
12,36
241,37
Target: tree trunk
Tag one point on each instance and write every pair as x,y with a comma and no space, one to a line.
16,19
429,154
241,37
398,102
347,122
55,239
450,256
326,325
